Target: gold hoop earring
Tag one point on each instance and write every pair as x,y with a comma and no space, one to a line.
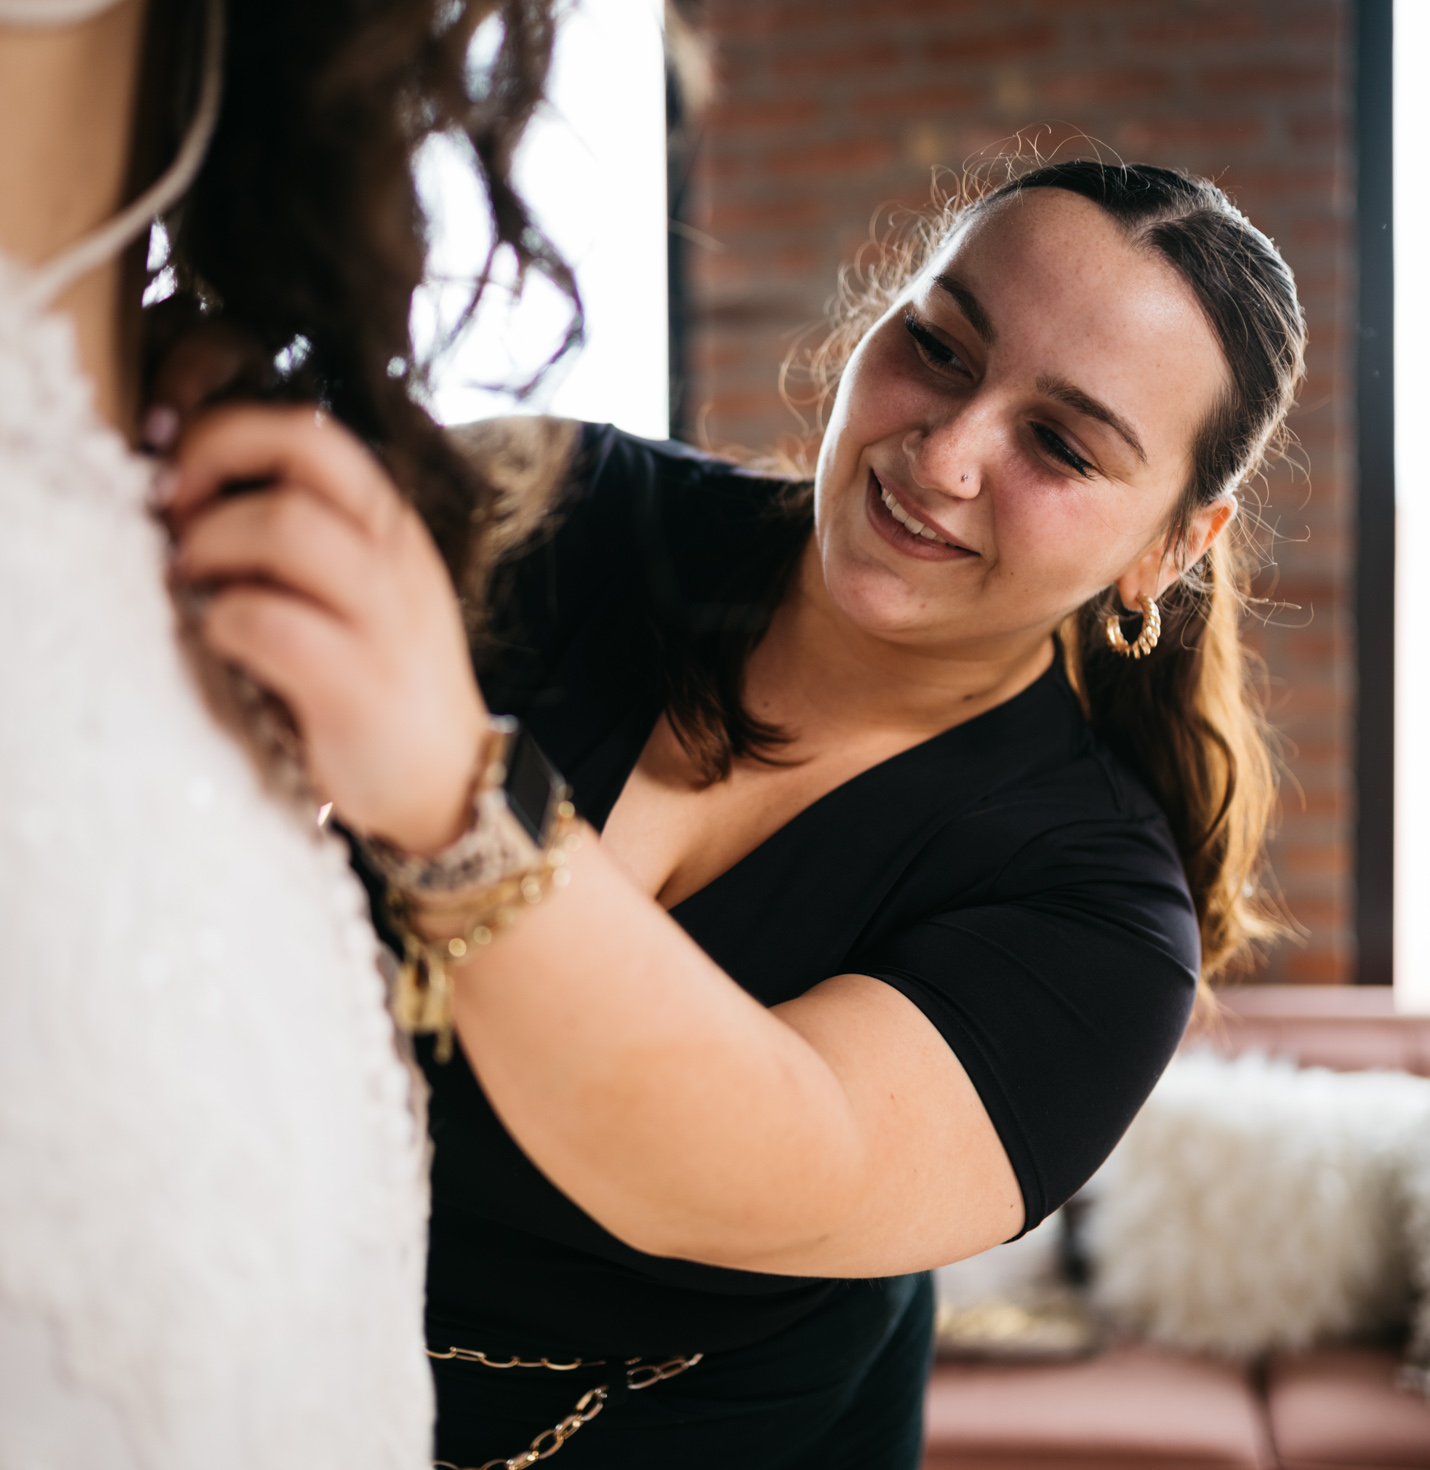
1146,640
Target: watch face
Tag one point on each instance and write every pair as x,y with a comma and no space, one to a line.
533,787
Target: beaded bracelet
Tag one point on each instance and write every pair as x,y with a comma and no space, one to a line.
422,996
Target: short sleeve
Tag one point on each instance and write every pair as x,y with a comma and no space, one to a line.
645,530
1063,995
650,551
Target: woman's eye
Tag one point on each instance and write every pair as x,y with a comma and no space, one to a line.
933,352
1054,445
944,359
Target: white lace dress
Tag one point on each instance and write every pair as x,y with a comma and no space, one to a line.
212,1175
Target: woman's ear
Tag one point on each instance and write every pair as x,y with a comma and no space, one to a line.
1154,572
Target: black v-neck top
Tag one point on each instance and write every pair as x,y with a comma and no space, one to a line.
1008,876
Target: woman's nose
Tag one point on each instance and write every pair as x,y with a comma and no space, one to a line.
948,459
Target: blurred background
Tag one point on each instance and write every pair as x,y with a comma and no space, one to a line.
709,165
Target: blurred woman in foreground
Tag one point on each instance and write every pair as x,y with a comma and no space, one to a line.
212,1192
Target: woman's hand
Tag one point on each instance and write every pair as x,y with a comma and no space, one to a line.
326,588
195,363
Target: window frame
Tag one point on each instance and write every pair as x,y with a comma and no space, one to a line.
1375,489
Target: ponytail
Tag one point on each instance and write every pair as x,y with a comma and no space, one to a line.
1186,719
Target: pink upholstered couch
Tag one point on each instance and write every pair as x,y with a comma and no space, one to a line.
1136,1407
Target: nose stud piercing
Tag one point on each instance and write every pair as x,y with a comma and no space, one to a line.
964,477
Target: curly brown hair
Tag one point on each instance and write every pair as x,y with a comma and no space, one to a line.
304,228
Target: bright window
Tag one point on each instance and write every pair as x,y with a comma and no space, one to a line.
592,167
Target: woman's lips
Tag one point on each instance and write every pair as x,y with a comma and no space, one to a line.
904,531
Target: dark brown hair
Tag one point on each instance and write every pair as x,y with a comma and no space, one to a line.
304,228
1186,717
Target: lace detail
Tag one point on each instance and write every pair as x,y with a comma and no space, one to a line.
212,1172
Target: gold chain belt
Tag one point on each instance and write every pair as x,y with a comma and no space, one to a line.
639,1375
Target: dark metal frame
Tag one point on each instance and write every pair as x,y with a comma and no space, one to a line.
680,148
1375,515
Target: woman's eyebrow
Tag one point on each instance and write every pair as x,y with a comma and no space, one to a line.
1051,387
970,306
1092,408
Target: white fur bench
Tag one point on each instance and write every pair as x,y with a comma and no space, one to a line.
1137,1405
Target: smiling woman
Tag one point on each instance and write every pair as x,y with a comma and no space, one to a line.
1190,272
871,744
906,875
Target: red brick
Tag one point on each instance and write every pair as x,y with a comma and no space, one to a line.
716,170
890,12
857,59
1322,230
760,115
796,259
1321,700
1001,45
1304,755
1131,9
1115,86
736,404
1265,81
1216,32
831,158
1250,187
929,101
715,269
1318,127
1317,968
1320,913
764,214
1243,130
766,19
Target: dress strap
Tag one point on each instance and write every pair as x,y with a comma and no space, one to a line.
42,285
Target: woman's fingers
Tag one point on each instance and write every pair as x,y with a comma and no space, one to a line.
284,536
204,362
393,748
298,651
326,587
253,445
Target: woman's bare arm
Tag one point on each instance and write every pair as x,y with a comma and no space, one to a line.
834,1135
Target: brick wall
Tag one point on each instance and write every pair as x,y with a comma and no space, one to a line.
827,109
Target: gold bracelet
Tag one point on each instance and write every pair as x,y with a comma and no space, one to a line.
422,997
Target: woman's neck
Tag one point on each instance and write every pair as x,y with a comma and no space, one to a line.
67,101
817,670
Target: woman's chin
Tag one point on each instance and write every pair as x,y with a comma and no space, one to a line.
881,590
881,603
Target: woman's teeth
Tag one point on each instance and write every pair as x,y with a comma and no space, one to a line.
916,528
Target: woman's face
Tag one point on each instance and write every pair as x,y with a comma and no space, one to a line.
1032,403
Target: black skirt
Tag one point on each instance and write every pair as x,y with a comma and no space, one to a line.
842,1389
